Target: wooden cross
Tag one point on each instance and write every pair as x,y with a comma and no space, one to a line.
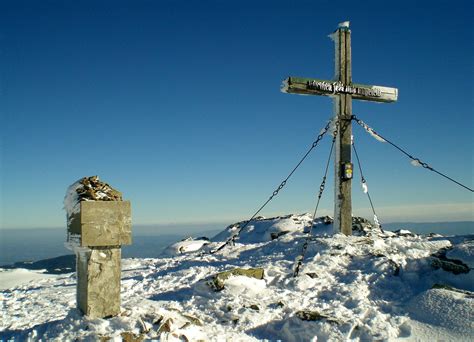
342,90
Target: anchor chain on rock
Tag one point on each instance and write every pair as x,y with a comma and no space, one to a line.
299,259
233,237
415,161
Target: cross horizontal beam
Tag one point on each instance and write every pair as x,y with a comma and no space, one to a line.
312,86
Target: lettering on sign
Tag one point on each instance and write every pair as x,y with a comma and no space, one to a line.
339,88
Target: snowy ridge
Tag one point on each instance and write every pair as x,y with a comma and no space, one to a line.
371,286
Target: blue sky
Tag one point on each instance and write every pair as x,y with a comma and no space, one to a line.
177,104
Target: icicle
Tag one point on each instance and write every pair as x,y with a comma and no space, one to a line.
376,221
372,132
415,162
365,188
344,24
332,125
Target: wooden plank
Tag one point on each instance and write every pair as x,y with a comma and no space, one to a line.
343,111
314,86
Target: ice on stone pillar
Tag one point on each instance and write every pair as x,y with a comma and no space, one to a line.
99,223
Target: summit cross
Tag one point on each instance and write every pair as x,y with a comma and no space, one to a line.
342,90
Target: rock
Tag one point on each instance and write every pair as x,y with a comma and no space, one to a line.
278,234
131,337
102,224
469,294
93,189
312,275
175,324
404,232
219,279
395,267
307,315
98,290
165,326
193,320
363,226
439,260
187,245
449,265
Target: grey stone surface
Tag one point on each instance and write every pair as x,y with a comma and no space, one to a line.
98,285
103,223
97,232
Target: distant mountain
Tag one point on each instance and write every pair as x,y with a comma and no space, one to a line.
443,228
58,265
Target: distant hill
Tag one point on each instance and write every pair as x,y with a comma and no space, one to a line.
443,228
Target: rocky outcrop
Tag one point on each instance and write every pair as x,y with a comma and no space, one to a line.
440,260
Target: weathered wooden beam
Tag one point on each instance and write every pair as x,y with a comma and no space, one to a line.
342,90
343,112
314,86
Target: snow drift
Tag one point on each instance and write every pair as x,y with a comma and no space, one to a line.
374,285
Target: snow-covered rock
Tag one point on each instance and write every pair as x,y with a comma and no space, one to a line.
187,245
262,229
464,252
371,286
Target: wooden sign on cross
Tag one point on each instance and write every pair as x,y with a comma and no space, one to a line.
343,91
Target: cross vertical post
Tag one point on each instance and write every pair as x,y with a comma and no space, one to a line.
343,113
342,90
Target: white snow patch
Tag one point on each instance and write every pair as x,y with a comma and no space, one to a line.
372,286
445,308
20,276
187,245
463,252
71,199
245,286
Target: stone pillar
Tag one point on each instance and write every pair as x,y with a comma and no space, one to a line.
97,233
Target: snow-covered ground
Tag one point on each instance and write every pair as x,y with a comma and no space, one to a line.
371,286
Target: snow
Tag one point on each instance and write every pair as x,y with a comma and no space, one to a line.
365,188
376,221
443,308
87,189
370,130
463,251
71,199
344,24
20,276
371,286
185,246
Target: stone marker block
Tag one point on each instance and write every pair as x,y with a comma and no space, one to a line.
102,223
98,274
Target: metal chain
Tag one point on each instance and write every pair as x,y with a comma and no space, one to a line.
417,160
300,258
315,143
363,181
